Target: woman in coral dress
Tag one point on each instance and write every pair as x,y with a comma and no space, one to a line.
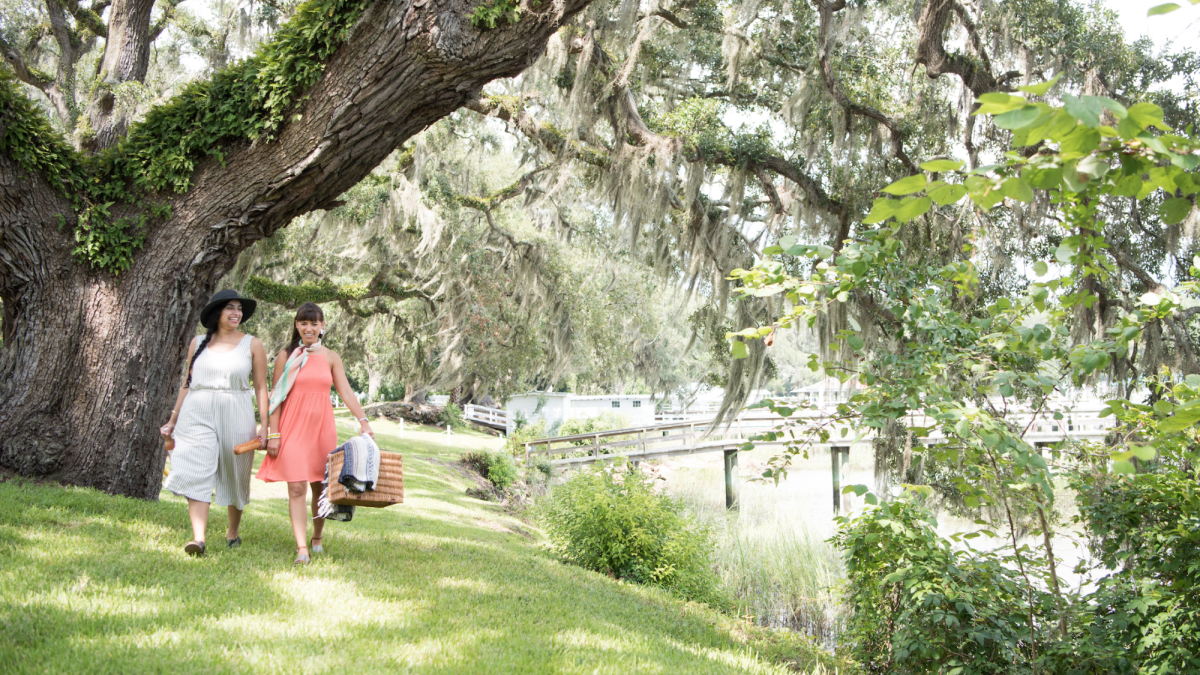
303,413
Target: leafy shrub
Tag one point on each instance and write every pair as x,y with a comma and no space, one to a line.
515,443
1145,530
610,519
920,605
498,467
605,421
503,470
452,416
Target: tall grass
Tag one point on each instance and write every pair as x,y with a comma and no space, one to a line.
769,561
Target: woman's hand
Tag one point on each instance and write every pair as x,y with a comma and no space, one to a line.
262,434
167,430
273,447
364,427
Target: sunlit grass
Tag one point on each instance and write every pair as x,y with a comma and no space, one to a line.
443,583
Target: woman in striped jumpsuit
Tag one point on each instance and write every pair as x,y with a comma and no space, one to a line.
213,413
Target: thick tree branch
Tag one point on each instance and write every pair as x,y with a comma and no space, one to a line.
88,17
34,78
1129,265
382,285
168,15
825,11
931,49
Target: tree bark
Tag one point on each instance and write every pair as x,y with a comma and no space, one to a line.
126,58
92,364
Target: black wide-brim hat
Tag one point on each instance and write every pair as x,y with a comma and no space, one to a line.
222,298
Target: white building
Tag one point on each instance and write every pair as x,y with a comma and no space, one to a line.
827,393
558,408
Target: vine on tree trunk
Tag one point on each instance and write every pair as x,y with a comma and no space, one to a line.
245,102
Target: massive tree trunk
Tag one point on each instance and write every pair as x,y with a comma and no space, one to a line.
90,360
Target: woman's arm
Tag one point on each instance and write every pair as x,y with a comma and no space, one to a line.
280,362
258,374
343,389
168,429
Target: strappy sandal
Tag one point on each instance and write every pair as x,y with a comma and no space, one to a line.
302,559
194,548
315,548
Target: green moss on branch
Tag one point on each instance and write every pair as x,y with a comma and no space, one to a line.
245,102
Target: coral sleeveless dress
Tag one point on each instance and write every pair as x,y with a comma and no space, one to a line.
306,429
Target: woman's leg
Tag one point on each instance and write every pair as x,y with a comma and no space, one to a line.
296,492
198,513
235,521
318,523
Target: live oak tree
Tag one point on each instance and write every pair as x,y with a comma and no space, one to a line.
107,255
640,99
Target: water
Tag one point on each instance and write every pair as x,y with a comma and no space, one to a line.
773,553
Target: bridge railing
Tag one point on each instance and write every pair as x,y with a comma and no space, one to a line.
494,417
658,440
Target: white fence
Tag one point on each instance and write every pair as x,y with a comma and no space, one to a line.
493,417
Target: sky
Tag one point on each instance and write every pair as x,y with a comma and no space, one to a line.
1181,27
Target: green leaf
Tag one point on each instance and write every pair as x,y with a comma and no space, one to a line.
1144,452
1063,254
907,185
1178,422
1123,466
1120,111
1040,268
1042,87
939,165
1015,188
1175,210
1147,115
912,207
1086,109
738,349
996,103
1127,186
1019,118
1164,8
855,341
881,210
947,194
1082,141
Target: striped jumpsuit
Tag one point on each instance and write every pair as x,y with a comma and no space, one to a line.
217,414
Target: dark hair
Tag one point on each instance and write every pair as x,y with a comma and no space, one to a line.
212,330
309,311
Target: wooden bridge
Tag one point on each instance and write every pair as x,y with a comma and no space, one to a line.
496,418
691,437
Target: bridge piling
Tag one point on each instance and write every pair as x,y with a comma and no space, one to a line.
840,458
731,480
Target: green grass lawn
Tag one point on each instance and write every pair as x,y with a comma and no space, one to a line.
443,583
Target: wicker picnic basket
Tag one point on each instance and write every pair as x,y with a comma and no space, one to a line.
388,490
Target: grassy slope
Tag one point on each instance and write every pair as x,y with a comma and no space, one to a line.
442,583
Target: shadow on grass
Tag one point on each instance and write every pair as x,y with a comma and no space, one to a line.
95,583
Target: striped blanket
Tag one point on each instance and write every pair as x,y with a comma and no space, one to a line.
291,369
360,472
